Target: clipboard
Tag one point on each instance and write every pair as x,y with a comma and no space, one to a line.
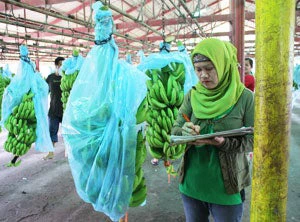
227,133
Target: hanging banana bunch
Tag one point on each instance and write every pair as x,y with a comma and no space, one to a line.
21,125
165,96
66,85
4,81
139,193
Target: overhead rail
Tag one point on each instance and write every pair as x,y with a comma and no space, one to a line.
63,17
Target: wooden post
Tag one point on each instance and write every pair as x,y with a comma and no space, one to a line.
275,20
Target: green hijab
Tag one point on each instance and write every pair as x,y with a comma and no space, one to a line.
211,103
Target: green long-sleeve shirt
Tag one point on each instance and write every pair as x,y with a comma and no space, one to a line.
229,164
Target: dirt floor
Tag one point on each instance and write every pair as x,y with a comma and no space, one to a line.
44,191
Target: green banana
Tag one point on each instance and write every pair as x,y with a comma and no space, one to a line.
138,178
175,112
163,93
169,87
165,125
158,136
179,99
156,104
169,123
139,196
170,113
156,90
142,111
155,152
173,97
165,135
149,84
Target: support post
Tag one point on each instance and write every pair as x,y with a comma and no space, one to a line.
237,8
275,20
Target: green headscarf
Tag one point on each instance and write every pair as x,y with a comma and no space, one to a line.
211,103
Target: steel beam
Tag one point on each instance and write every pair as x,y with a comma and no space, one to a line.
178,21
237,8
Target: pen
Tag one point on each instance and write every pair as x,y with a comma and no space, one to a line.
186,117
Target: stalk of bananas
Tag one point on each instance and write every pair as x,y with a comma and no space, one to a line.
139,193
165,96
4,81
66,85
21,125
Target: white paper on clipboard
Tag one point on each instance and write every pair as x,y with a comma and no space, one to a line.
228,133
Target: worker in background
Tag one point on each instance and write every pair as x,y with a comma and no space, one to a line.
249,78
56,108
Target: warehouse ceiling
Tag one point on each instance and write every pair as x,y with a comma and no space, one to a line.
54,27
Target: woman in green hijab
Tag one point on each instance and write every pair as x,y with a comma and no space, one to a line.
214,172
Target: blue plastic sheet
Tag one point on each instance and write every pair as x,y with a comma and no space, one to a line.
141,54
128,58
6,72
160,60
99,124
296,76
72,64
27,79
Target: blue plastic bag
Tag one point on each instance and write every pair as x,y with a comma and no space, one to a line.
141,54
99,128
6,72
27,79
296,75
160,60
128,58
72,64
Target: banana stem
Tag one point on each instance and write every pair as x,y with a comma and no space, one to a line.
13,161
125,218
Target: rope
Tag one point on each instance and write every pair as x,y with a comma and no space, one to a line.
102,42
163,19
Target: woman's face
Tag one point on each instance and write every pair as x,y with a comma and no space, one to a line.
207,74
247,67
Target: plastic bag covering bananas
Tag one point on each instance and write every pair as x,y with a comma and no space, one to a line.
28,80
99,123
139,186
66,84
70,70
21,125
165,96
4,81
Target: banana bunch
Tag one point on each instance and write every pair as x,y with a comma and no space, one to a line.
21,125
66,85
4,81
165,96
139,186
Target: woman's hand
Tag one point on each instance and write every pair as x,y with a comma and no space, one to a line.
216,141
189,128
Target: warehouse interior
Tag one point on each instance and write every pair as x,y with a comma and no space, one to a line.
44,191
